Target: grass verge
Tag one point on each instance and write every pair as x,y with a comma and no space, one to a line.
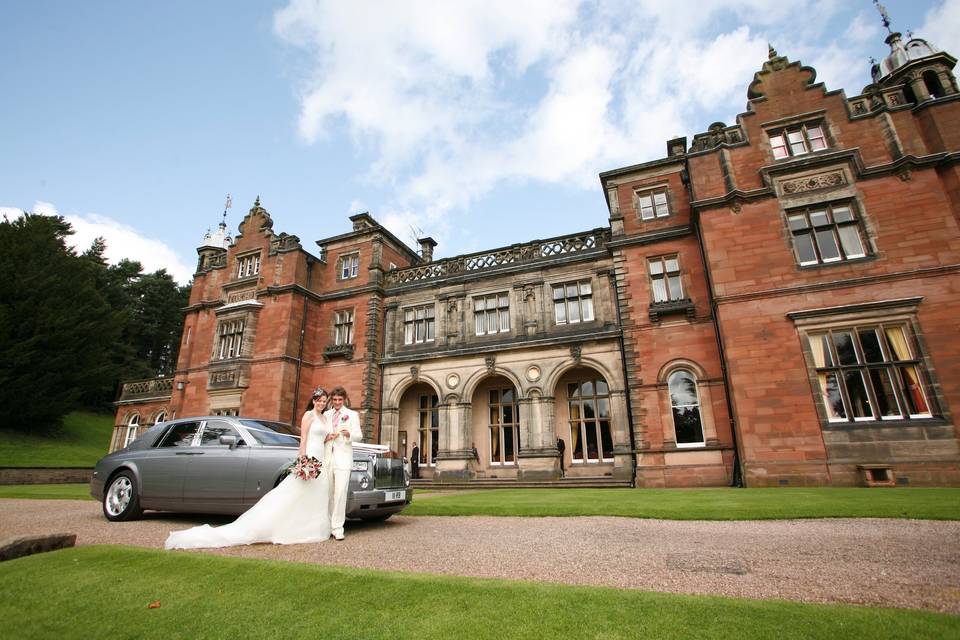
105,592
84,439
46,491
700,504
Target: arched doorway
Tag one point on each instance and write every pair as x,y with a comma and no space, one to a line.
419,425
496,426
584,420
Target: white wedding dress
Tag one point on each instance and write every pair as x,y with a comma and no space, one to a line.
295,511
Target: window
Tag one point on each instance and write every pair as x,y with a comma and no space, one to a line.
653,204
349,266
491,314
685,403
225,412
589,403
796,141
180,435
231,339
504,426
573,302
418,324
869,373
429,429
212,430
133,425
665,279
343,327
823,234
248,265
160,417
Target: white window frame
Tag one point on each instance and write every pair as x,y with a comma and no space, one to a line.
133,425
343,327
581,422
349,265
699,406
419,324
491,313
653,203
501,426
248,265
428,435
796,140
580,299
812,224
230,334
660,270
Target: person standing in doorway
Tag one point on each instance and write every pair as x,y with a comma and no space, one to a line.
345,430
561,447
415,461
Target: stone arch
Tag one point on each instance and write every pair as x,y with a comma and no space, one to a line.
680,363
614,379
396,393
474,379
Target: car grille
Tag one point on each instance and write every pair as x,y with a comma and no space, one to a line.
388,473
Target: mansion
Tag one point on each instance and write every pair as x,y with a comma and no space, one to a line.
774,303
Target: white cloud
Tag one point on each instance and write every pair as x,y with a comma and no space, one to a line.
456,98
941,27
122,240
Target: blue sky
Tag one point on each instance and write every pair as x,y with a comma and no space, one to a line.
481,123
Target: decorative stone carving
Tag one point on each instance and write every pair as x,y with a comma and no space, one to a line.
576,353
338,351
812,183
533,373
415,372
453,380
905,175
490,362
240,296
736,206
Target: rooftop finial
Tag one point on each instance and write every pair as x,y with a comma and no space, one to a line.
771,52
227,205
257,202
883,14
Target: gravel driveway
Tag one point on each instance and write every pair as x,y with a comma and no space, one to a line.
891,563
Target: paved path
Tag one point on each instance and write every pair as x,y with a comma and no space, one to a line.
891,563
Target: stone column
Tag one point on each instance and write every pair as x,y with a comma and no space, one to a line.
622,452
455,457
389,431
538,457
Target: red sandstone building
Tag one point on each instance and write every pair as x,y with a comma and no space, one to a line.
776,302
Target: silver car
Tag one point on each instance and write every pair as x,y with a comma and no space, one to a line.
221,464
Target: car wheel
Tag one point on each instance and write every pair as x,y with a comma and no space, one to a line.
121,500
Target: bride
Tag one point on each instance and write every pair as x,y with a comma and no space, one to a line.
294,512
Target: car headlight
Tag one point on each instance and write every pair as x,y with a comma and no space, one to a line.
359,465
364,481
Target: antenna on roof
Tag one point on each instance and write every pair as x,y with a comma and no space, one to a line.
416,233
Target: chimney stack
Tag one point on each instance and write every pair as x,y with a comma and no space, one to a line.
426,248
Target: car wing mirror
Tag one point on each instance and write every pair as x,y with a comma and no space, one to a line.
229,440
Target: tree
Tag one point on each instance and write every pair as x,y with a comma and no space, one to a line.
57,328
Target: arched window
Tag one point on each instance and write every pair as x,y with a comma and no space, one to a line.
590,434
934,88
504,426
685,403
133,425
160,417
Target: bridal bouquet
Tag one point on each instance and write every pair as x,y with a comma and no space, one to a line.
306,467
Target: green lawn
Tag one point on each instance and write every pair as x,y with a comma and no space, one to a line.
84,439
46,491
104,591
699,504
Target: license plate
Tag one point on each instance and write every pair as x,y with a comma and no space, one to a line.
394,496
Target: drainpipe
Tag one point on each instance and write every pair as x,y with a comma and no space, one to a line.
303,330
737,479
626,382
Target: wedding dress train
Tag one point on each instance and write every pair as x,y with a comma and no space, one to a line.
295,511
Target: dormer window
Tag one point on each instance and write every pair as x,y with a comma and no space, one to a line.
798,140
248,265
652,204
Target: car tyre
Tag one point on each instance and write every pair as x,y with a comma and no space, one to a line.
121,499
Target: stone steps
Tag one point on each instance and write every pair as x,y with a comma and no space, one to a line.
594,482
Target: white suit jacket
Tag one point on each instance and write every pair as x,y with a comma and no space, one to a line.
340,453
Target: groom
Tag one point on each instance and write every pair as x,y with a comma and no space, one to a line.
345,427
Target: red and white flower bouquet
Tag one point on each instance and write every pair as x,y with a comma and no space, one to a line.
306,468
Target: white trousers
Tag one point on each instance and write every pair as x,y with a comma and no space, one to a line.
339,484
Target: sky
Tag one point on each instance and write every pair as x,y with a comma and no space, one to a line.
480,123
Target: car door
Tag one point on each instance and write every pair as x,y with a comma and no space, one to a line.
162,472
216,472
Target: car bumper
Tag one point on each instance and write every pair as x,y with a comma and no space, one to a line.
372,503
96,485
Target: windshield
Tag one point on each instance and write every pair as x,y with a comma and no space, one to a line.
272,433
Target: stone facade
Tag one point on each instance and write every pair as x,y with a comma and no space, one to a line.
774,305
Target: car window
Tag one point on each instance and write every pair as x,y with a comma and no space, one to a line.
272,433
210,436
180,435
